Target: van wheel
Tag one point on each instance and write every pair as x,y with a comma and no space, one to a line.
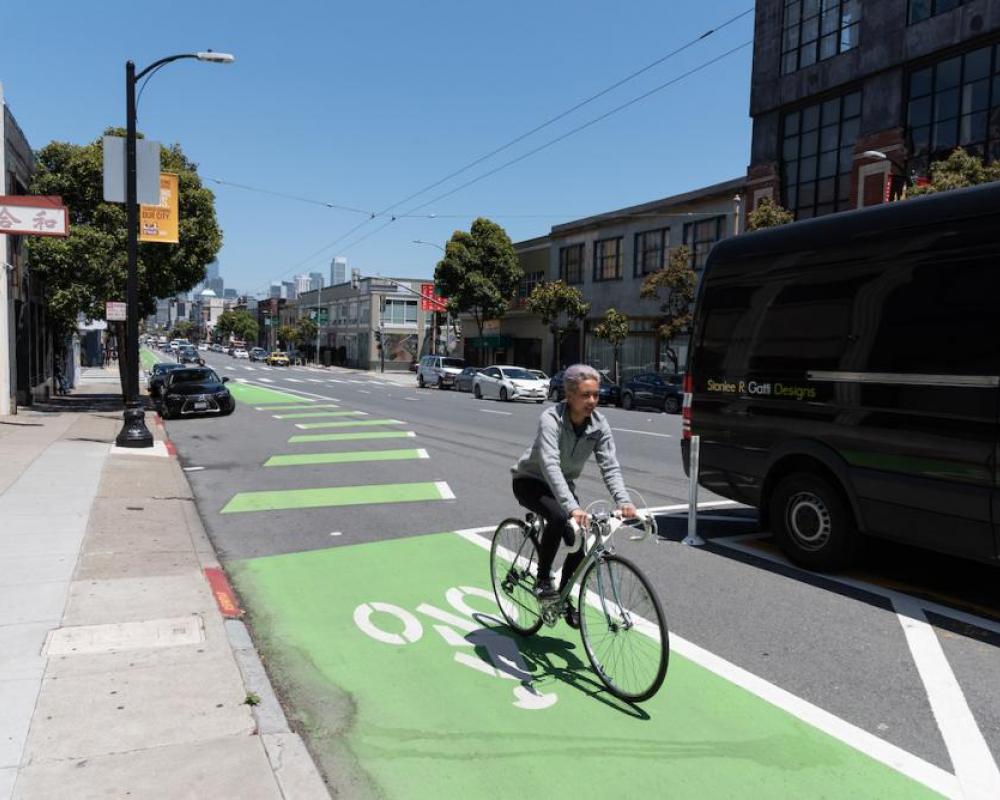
477,392
627,402
440,383
813,524
420,381
672,405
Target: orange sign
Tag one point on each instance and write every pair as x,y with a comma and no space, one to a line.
159,223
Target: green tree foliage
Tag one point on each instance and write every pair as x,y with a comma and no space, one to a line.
958,170
677,282
238,323
287,336
560,306
768,214
305,332
479,273
613,329
183,329
88,267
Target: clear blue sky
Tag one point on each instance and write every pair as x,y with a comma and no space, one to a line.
364,103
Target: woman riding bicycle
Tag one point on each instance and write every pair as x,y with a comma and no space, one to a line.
544,477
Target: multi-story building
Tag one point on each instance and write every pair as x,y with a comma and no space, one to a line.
315,281
849,99
302,283
338,270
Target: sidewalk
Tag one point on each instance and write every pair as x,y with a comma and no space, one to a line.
119,675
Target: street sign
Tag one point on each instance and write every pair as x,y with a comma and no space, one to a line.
147,170
430,301
115,312
158,223
38,215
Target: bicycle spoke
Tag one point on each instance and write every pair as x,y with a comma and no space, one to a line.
514,565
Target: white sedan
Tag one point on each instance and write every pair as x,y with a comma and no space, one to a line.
509,383
239,352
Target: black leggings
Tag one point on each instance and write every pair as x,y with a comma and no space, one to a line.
537,496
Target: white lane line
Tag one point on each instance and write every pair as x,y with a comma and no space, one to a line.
491,411
356,381
193,469
250,369
445,490
970,755
265,380
294,380
906,763
644,433
363,391
422,454
315,380
411,398
230,368
335,380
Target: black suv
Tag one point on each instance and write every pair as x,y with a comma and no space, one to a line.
654,390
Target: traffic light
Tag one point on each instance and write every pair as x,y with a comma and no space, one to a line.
378,339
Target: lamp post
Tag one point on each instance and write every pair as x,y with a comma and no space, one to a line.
434,313
134,432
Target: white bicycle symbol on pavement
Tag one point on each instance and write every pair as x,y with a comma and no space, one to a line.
505,660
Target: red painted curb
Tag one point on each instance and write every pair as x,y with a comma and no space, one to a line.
170,447
225,597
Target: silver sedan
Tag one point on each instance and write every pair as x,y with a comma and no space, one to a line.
509,383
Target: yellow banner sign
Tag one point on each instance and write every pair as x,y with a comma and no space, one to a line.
159,223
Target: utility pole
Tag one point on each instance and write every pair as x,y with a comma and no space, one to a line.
6,362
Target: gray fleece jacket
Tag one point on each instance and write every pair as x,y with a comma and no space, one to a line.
558,456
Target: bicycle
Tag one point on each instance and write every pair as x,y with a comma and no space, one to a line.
622,625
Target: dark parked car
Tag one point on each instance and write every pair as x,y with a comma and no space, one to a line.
654,390
609,393
197,390
187,354
463,382
157,375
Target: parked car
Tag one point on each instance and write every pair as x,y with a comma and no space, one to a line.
277,359
539,374
509,383
439,371
157,375
609,392
464,381
654,390
239,352
203,346
258,354
195,390
187,354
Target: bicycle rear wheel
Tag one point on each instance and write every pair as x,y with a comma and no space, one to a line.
513,567
623,629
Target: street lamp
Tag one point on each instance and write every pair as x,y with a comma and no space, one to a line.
134,432
434,313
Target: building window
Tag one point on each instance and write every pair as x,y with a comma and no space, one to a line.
528,283
925,9
608,259
650,251
955,102
817,156
399,312
818,29
700,236
571,263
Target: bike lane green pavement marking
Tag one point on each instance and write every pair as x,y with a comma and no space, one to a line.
347,423
257,395
295,408
350,437
308,414
404,679
344,458
328,497
149,358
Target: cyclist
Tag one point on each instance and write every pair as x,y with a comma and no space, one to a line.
544,477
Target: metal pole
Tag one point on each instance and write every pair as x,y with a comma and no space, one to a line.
6,361
134,432
694,462
319,309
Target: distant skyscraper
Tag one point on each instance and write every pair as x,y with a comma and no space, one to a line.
288,290
230,294
315,281
338,270
303,283
212,270
276,290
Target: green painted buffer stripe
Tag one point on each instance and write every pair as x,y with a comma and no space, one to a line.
307,414
344,458
284,407
350,437
338,496
255,395
348,423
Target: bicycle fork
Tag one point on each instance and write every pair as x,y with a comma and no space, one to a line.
623,615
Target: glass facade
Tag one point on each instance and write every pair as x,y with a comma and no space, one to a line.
925,9
700,236
400,312
818,154
608,259
955,102
650,251
815,30
571,264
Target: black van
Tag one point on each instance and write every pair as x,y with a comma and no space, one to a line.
843,377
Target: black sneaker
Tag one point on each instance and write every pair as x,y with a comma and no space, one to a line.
544,588
572,617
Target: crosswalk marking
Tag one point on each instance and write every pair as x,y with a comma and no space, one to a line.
347,423
266,380
303,438
327,497
350,457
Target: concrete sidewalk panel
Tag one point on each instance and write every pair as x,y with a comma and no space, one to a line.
138,599
25,522
21,651
98,566
40,568
136,476
293,767
7,777
212,769
33,602
17,699
158,526
115,712
63,542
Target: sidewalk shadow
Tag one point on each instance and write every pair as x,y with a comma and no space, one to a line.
80,403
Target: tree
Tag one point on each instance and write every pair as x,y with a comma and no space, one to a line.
239,323
305,332
183,329
613,329
560,306
287,336
768,214
677,280
958,170
89,266
479,273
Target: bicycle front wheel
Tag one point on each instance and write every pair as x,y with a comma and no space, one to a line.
623,629
513,567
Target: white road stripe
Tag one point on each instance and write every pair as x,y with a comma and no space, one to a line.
906,763
352,381
445,489
249,369
644,433
363,391
294,380
970,755
491,411
422,454
265,380
315,380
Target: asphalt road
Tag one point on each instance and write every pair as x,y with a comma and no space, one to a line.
886,649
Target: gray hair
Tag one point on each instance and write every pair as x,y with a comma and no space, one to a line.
577,374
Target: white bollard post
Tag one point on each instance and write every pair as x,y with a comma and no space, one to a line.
692,537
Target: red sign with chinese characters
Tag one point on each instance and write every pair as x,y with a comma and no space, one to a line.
430,301
37,215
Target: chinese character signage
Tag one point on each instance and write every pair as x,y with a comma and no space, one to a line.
430,301
159,223
33,216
